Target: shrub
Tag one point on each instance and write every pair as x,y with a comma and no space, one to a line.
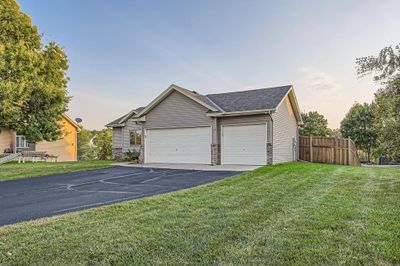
132,155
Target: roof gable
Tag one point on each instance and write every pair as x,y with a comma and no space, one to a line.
200,99
70,121
295,105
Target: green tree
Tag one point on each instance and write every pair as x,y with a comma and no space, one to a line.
335,133
33,81
314,124
358,124
386,105
103,144
85,150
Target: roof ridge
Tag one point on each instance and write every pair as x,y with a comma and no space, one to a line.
193,92
250,90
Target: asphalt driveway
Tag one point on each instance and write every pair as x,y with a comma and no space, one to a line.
32,198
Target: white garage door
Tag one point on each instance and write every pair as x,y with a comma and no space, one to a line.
179,145
244,144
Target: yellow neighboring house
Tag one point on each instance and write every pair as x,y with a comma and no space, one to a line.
66,148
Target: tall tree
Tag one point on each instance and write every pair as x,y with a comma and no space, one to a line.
386,67
314,124
33,81
358,124
103,143
387,119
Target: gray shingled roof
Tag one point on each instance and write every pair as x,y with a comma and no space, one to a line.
116,121
250,100
138,110
207,101
123,118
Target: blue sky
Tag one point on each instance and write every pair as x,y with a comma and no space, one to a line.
124,53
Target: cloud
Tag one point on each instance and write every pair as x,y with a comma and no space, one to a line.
317,81
322,92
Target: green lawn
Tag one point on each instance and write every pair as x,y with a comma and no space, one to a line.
281,215
10,171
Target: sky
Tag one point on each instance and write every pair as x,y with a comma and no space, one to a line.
124,53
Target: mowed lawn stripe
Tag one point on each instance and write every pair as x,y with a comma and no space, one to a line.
285,214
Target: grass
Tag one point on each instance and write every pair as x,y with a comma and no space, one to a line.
296,214
13,170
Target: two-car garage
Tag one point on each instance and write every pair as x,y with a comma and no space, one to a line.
181,126
240,144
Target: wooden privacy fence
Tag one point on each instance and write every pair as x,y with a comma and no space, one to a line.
328,150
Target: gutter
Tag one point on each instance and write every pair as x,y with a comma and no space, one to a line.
239,113
139,119
115,125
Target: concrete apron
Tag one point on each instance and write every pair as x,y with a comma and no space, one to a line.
200,167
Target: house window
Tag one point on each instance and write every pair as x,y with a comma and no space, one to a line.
21,142
135,137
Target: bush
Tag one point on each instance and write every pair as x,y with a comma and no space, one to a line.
132,155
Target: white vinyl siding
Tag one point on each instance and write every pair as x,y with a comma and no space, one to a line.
178,145
244,144
284,131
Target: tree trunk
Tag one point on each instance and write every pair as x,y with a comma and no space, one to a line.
369,155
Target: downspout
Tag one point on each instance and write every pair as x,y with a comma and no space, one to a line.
271,161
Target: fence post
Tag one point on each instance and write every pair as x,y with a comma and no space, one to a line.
311,150
334,150
349,147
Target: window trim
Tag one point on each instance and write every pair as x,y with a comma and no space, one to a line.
137,135
21,139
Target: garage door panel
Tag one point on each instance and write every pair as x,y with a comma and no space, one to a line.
244,144
180,145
